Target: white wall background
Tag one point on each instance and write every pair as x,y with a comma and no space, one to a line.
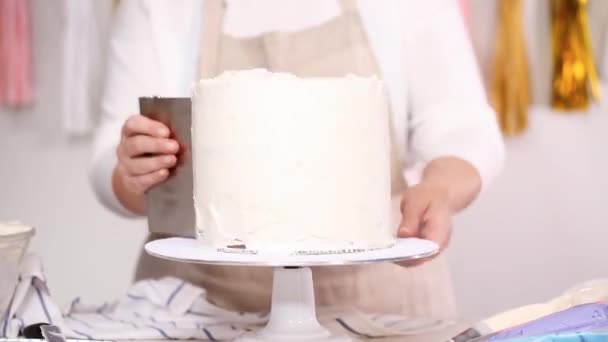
43,182
541,229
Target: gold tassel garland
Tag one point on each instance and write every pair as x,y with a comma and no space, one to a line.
575,80
509,90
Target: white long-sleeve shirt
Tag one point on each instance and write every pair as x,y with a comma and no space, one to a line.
424,55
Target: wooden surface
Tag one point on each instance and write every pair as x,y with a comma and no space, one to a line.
442,335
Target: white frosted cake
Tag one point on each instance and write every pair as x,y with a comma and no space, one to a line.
282,162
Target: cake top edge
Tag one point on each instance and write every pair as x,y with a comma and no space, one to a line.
260,74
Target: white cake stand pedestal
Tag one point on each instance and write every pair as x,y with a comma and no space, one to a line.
293,314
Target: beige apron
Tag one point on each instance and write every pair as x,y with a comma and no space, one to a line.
335,48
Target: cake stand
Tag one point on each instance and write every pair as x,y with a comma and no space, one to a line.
293,313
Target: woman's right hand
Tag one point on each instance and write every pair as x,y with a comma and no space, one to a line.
145,155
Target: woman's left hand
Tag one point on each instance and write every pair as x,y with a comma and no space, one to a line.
427,214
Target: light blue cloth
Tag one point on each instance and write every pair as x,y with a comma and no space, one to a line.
573,337
590,318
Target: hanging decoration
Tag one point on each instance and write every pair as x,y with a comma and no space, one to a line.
463,5
85,38
603,64
509,87
16,89
575,81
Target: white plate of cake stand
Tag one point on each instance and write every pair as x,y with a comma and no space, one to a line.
293,314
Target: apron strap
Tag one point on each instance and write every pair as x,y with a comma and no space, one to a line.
348,5
211,29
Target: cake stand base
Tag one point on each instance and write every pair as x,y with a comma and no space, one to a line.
293,315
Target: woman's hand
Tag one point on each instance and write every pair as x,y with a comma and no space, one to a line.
426,214
448,185
145,155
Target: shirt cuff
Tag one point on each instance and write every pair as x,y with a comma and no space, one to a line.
478,142
102,168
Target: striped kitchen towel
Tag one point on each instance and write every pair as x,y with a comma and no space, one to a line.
163,309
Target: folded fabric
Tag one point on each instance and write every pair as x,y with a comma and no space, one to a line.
162,309
573,310
581,318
